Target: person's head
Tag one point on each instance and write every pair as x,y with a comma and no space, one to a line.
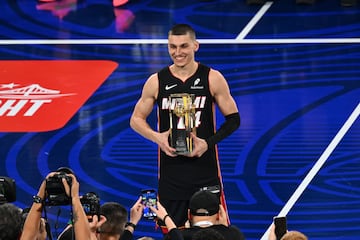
204,205
10,221
116,217
207,234
182,44
294,235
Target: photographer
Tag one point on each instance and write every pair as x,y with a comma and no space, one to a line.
289,235
10,221
205,211
136,212
109,226
71,187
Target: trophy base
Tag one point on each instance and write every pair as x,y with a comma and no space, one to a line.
182,142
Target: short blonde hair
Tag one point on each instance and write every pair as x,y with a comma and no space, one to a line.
294,235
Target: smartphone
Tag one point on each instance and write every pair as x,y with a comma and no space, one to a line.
280,226
148,198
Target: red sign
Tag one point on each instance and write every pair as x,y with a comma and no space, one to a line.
37,96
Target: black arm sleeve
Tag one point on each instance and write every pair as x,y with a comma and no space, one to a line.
232,122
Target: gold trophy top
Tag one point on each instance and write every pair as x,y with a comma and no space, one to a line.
183,104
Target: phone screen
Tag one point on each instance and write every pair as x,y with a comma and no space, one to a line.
280,227
87,208
148,198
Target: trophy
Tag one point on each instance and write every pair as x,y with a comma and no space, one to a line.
182,122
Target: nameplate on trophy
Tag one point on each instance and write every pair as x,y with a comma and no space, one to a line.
182,122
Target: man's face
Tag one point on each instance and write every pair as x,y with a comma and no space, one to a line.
182,49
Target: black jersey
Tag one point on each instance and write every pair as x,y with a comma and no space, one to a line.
181,176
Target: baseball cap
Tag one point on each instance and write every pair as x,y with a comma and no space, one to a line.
204,203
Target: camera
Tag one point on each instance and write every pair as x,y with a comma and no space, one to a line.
7,190
91,204
55,189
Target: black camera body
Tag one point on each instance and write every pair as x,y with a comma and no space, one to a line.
7,190
91,204
55,190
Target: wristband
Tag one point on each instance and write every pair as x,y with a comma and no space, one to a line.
37,199
131,225
167,215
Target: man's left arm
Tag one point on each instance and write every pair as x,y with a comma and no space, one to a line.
220,90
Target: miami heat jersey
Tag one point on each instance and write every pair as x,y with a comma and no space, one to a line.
181,176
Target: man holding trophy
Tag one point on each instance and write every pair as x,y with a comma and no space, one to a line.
185,93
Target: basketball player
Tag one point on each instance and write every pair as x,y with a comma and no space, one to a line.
181,176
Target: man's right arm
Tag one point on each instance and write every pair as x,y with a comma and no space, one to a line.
143,108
